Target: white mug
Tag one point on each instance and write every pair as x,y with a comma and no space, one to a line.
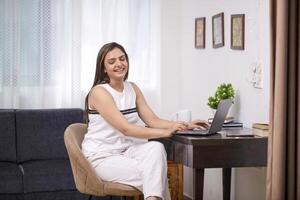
182,115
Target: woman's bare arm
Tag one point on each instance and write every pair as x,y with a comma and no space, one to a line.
149,117
103,102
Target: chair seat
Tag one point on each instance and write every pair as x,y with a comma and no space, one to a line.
85,177
120,189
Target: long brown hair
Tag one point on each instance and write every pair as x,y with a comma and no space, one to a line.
101,76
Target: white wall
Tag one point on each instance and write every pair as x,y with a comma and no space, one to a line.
170,57
189,76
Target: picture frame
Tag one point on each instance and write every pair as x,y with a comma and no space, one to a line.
218,30
238,31
200,33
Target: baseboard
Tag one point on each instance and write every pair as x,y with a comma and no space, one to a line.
187,197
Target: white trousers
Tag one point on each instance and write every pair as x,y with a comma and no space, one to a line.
142,165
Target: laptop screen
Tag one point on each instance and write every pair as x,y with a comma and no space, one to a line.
220,115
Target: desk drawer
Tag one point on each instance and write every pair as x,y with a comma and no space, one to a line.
239,153
234,153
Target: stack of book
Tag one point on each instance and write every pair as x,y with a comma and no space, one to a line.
260,129
229,123
233,124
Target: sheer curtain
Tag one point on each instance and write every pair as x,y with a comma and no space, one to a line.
49,48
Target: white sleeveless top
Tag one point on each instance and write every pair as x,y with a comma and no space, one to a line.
102,139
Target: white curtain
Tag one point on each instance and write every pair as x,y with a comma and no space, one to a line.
48,48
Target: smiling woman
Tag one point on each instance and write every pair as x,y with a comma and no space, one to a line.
116,144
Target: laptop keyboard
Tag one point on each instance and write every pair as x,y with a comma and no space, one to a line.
193,132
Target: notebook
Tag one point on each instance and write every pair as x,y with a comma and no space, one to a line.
216,124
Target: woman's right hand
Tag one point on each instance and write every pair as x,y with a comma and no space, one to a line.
178,126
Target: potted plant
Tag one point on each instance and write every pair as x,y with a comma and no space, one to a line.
224,91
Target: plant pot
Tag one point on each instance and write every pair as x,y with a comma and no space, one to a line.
213,112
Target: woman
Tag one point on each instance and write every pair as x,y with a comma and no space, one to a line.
114,107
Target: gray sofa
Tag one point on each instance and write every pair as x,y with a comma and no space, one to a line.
34,163
33,160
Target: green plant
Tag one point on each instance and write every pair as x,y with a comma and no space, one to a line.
224,91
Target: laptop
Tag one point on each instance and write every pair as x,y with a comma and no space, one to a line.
216,124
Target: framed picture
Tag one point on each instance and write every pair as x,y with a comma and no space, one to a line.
238,31
218,30
200,33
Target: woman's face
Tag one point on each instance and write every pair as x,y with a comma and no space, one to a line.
116,65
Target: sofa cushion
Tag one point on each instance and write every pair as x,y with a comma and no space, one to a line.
48,175
11,180
7,135
59,195
40,133
12,196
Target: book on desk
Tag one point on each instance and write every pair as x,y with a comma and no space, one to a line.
229,123
260,129
233,124
236,125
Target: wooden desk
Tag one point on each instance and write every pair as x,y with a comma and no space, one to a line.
218,151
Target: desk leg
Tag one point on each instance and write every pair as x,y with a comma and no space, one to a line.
226,183
198,181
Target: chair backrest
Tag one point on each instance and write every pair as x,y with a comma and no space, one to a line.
85,177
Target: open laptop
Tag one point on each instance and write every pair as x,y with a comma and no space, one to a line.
216,124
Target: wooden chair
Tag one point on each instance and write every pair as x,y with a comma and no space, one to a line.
86,180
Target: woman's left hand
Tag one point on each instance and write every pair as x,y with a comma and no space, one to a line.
200,124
